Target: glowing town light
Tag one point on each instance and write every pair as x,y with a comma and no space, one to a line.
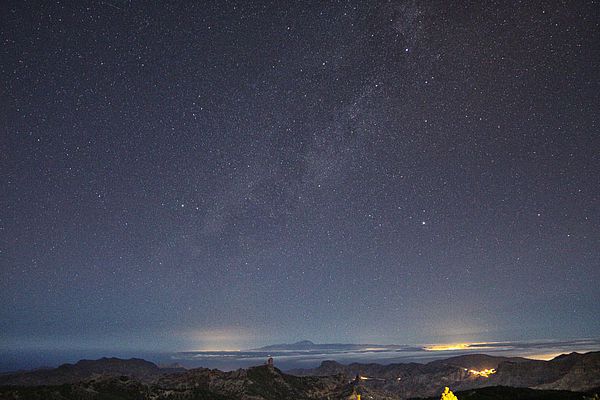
448,395
483,373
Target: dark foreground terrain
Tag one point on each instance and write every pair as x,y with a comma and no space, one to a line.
568,377
505,393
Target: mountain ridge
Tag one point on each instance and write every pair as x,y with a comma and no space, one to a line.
137,377
575,371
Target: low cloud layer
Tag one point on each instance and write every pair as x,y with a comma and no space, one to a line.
289,356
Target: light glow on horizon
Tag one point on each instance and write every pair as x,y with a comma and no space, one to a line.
214,350
448,347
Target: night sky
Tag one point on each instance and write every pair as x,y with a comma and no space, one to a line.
215,175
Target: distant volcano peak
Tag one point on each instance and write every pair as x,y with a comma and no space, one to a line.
304,343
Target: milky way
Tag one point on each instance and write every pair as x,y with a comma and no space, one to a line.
187,175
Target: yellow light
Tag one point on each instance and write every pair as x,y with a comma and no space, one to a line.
483,373
448,395
446,347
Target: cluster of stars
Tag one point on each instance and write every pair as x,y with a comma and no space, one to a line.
289,165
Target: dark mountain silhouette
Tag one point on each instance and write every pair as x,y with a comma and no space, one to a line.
135,368
509,393
301,345
478,361
111,378
568,371
579,372
257,383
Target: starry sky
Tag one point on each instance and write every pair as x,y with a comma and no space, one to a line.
187,175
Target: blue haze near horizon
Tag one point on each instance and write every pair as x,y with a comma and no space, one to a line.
310,357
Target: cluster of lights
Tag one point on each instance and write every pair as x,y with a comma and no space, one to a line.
484,372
